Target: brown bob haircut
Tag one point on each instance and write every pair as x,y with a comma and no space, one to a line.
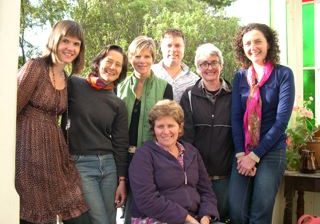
61,29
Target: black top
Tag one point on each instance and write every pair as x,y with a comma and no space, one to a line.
207,125
134,123
98,122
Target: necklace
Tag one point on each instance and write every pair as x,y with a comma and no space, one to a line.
56,107
55,93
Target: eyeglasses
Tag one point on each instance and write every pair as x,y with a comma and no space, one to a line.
206,64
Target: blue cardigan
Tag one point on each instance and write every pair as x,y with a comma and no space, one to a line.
277,96
163,190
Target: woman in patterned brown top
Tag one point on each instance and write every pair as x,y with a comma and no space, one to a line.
46,178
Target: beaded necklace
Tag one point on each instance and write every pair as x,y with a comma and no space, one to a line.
56,108
56,102
55,93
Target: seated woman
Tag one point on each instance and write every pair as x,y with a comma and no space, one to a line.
168,179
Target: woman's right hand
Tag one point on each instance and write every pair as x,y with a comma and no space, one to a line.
246,166
191,220
121,194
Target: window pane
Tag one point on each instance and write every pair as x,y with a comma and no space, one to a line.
308,34
309,86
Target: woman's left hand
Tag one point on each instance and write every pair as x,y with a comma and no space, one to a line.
121,194
246,166
205,220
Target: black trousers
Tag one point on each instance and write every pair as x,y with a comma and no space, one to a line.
82,219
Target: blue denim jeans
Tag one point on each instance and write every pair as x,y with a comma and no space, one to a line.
99,183
221,190
251,199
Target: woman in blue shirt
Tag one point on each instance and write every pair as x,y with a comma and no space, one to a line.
262,101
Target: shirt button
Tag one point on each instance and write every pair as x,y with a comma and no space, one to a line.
212,115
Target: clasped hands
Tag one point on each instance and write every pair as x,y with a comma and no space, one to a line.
204,220
246,166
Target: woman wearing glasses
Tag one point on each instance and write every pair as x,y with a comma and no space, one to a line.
209,128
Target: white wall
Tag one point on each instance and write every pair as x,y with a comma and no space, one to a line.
9,36
250,11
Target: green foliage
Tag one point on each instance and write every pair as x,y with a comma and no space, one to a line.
26,21
123,20
199,27
218,4
293,160
119,22
37,15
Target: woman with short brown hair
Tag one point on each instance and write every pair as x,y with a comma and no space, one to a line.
46,178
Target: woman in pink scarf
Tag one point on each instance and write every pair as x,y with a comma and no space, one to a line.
262,101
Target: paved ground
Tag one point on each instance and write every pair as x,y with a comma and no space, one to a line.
119,214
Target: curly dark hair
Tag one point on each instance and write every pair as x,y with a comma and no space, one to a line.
103,53
270,35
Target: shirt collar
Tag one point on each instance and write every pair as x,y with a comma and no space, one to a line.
184,68
224,86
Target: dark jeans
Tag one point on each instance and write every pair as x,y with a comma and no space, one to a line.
251,199
221,190
127,209
82,219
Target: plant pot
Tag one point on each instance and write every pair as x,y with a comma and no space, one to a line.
315,146
308,161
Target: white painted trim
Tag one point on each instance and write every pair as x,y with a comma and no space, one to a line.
279,23
9,39
295,44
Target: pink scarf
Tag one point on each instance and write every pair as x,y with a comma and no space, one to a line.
252,116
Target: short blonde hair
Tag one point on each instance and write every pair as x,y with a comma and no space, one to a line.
61,29
207,49
140,43
165,108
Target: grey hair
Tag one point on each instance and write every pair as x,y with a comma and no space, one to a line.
207,49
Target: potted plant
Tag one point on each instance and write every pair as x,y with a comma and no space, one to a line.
300,131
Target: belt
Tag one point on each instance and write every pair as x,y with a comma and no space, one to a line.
132,149
218,177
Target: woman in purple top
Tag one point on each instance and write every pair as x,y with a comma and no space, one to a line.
168,179
262,101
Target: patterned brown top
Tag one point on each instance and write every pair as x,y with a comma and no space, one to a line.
46,178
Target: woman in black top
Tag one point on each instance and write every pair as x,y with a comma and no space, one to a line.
96,128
